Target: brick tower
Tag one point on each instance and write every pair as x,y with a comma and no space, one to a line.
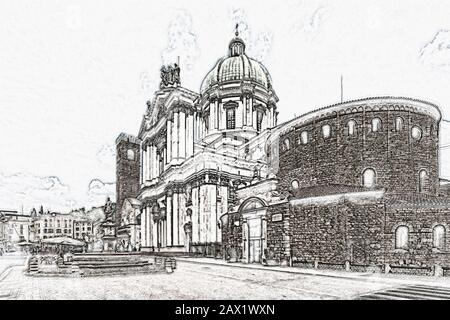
127,170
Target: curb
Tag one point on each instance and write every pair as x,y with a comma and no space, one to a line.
359,278
299,272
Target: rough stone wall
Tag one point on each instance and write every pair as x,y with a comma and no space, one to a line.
127,173
278,232
341,159
420,250
337,232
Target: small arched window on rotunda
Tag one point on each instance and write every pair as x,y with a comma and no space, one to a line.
351,127
423,176
376,124
326,131
304,137
398,124
286,144
369,178
401,237
295,184
416,133
130,154
439,237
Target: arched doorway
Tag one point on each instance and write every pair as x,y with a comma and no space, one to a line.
253,211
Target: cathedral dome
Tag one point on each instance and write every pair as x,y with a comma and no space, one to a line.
237,66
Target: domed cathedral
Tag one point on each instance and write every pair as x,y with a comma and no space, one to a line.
195,152
351,186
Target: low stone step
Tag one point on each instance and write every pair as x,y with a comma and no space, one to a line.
111,265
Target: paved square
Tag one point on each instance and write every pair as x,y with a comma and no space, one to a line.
200,281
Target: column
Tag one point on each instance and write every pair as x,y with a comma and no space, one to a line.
165,159
157,165
147,228
143,228
169,220
182,135
195,126
245,241
169,141
212,116
195,216
202,236
175,136
141,166
150,163
244,118
147,155
250,121
216,106
155,233
273,117
214,215
153,162
176,210
144,164
189,137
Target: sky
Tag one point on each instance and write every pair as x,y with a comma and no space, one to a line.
74,74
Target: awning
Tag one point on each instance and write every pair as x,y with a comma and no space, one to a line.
63,240
27,243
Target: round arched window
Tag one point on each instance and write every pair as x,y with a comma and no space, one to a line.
398,124
326,131
287,144
401,237
130,154
295,184
423,175
304,137
369,177
439,237
416,133
351,126
376,124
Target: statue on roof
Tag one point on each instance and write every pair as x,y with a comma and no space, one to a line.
170,75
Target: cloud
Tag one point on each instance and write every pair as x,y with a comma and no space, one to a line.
182,41
436,53
258,42
31,191
261,46
148,81
96,214
107,155
311,21
98,191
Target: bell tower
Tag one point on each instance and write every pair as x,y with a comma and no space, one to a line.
127,170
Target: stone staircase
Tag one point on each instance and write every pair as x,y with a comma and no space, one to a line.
120,263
